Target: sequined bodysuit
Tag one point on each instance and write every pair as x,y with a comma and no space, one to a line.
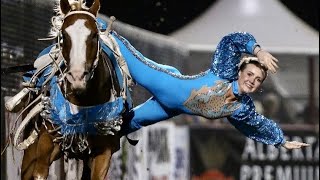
212,94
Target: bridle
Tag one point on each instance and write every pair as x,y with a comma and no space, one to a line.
95,63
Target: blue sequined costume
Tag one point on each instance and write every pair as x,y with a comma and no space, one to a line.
203,94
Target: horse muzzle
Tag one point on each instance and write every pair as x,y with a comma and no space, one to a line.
78,79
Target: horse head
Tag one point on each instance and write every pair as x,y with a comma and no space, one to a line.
80,43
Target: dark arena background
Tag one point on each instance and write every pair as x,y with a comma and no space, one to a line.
165,16
184,34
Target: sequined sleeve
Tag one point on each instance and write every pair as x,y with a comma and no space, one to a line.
226,58
255,125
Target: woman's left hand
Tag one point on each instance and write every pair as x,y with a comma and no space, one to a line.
268,60
294,145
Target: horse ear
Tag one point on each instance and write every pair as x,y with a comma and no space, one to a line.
95,7
65,6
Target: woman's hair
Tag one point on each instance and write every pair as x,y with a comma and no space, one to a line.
252,60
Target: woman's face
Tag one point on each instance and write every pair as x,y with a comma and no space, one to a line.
250,78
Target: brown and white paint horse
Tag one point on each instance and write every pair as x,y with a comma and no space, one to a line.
88,81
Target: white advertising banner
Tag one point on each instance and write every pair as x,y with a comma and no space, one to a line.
135,164
159,151
161,154
181,154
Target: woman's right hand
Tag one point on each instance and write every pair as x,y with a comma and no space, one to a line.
294,145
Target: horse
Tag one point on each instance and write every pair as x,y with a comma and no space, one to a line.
77,112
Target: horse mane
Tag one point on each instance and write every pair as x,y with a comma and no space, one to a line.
57,19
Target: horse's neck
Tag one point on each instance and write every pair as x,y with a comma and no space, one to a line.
100,89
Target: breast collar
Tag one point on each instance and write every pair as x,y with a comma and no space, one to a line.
87,116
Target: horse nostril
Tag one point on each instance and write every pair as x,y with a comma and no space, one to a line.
70,77
70,74
85,74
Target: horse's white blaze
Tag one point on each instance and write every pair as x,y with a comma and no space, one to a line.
78,33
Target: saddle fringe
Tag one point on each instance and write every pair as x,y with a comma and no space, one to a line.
17,102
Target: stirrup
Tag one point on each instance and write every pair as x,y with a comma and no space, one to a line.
31,139
15,103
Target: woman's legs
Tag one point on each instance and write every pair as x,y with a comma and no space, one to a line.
148,113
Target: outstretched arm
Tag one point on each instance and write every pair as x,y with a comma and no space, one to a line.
260,128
